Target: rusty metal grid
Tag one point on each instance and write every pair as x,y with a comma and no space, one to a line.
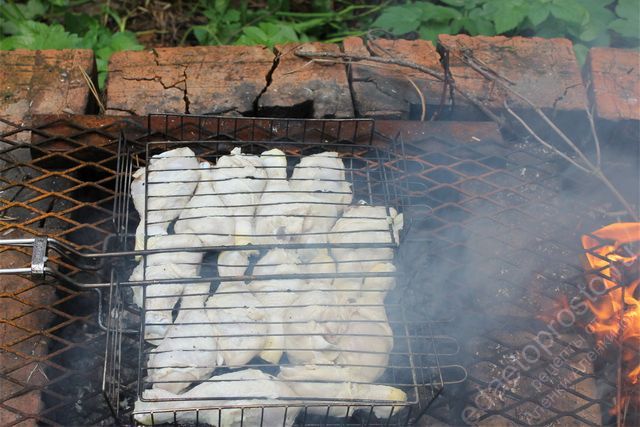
505,230
486,197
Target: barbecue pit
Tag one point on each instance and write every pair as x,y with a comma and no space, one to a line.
496,219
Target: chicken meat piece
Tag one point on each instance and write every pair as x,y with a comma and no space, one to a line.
161,298
320,181
314,382
323,173
313,323
320,263
172,179
239,323
234,263
372,225
367,341
240,180
382,283
276,295
280,213
249,387
188,353
205,215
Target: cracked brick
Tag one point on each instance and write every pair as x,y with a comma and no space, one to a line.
23,342
544,70
299,88
195,80
381,91
615,83
44,82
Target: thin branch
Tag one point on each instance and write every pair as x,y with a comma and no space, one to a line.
348,58
594,132
505,84
542,141
423,103
92,88
592,124
470,62
590,168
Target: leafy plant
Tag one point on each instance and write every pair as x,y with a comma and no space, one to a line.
585,22
269,34
277,23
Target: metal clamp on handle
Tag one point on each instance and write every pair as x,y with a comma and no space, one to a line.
39,269
39,256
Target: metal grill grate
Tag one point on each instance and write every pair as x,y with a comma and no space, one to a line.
414,363
509,209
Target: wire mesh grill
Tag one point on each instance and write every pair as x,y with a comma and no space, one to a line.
405,350
64,187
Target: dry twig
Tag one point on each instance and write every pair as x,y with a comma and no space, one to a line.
423,103
92,88
504,83
347,59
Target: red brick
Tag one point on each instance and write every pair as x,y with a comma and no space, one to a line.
43,82
300,88
22,341
544,70
615,83
382,91
198,80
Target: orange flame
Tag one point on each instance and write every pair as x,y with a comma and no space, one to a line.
618,312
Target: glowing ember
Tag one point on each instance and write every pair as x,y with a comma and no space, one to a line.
617,313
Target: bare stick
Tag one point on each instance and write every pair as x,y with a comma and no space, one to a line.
594,132
542,141
402,63
483,72
590,168
92,88
423,104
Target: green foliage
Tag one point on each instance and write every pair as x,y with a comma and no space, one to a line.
20,30
238,24
585,22
268,34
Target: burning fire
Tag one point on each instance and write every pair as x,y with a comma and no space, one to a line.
611,261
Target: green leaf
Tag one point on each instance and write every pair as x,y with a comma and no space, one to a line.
399,20
507,18
581,52
434,13
599,19
36,35
79,23
33,9
232,15
456,3
570,11
431,31
625,28
220,6
201,34
538,14
628,9
478,26
124,40
268,33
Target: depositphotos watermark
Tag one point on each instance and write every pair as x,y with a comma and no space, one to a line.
540,348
